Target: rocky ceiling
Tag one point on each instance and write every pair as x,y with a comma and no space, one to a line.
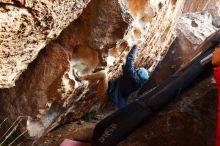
38,39
27,27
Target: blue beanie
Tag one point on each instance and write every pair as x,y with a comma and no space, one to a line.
143,74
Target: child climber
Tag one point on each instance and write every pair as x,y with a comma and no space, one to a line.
118,89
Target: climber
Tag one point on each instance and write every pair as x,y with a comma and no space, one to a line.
120,88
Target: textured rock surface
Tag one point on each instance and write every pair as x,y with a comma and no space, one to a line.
195,6
187,120
191,119
103,25
149,28
36,85
196,26
26,27
210,6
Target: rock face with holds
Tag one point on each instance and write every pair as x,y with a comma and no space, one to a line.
26,28
38,50
191,119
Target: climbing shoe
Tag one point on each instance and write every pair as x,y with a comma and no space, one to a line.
76,75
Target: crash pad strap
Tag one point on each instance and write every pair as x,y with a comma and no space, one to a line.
217,78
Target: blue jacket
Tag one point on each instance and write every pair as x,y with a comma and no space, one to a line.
120,88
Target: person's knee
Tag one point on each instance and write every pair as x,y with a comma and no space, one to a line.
104,73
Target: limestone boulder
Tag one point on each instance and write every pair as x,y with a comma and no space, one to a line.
38,51
26,27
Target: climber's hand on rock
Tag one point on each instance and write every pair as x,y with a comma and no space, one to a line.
138,42
98,69
81,78
137,31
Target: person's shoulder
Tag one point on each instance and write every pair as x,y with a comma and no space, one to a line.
136,46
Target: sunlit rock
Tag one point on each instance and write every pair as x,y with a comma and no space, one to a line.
26,27
196,26
39,51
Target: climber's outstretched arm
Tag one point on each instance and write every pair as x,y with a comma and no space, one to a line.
102,74
102,85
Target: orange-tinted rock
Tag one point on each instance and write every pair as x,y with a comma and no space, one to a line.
27,27
102,25
34,89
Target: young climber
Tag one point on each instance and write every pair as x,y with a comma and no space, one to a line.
118,89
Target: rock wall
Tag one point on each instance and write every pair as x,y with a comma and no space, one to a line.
195,6
187,120
145,29
26,27
47,89
191,119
